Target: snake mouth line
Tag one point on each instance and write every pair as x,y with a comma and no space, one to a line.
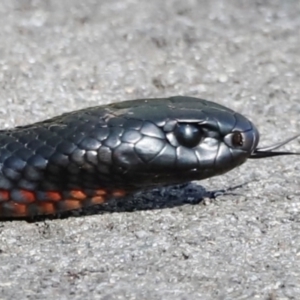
267,151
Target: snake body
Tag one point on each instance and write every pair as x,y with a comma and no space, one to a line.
89,156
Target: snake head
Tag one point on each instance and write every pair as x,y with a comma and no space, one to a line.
179,139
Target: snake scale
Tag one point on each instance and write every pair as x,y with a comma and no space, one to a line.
89,156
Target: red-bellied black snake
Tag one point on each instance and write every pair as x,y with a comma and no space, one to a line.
88,156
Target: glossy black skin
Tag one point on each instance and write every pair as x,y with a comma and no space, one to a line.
129,145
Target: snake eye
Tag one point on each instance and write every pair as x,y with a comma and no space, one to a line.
188,135
237,139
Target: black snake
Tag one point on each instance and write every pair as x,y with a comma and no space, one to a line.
88,156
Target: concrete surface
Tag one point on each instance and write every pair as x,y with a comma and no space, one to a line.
61,55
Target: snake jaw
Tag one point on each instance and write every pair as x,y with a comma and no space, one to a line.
267,151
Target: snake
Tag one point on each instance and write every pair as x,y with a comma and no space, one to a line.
89,156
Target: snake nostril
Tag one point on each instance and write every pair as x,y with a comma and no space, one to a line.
237,139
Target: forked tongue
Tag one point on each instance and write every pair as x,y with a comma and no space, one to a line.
268,151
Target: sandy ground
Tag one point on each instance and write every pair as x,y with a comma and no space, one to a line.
61,55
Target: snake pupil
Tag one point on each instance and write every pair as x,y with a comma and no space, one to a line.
237,139
188,135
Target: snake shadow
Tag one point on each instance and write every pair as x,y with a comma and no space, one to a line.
157,198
